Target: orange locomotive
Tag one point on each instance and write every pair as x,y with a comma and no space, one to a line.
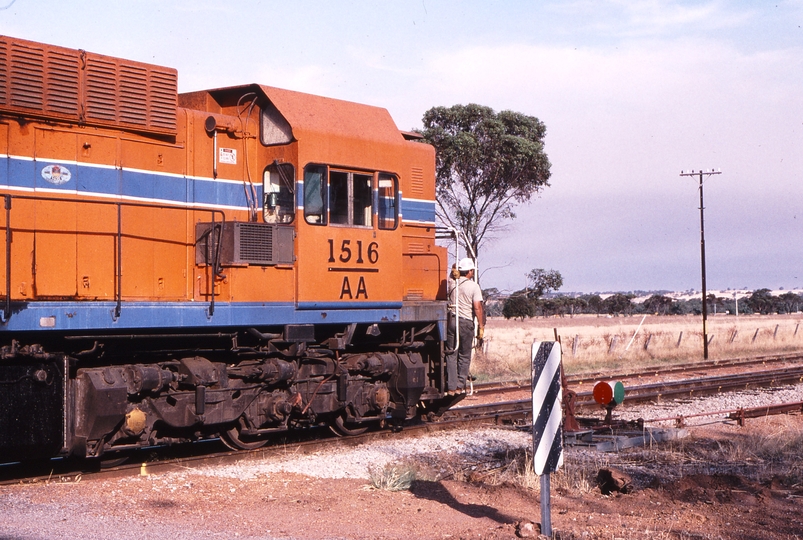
230,262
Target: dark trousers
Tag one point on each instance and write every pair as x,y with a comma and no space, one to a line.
458,361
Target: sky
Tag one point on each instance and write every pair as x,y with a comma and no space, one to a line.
632,92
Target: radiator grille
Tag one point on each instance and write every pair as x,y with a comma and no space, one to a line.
3,73
73,85
256,243
162,99
27,77
133,95
101,91
239,243
62,84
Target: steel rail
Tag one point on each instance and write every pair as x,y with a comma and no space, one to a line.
675,389
709,365
702,387
209,453
581,379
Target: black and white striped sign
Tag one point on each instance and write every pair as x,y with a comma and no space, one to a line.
547,412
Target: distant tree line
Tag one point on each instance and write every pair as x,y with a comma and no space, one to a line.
532,303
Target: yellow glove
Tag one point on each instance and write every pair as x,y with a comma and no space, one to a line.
455,273
480,333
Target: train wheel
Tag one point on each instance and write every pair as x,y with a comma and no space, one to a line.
235,440
109,463
348,429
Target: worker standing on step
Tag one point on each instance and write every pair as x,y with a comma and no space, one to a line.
465,303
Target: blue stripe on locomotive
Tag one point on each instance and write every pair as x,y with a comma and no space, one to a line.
89,180
158,187
418,210
65,315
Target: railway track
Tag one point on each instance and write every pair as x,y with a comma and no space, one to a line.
708,366
704,386
462,414
697,387
579,380
213,452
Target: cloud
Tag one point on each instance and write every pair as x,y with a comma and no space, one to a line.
622,122
623,19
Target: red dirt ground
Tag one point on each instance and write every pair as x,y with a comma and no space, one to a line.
281,505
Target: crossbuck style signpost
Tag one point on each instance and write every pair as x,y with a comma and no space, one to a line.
547,420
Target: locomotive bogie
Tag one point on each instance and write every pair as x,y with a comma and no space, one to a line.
131,405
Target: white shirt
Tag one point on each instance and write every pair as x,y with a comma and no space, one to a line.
469,292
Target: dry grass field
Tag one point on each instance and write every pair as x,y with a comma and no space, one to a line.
592,343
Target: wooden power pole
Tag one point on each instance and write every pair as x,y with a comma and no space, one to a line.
702,174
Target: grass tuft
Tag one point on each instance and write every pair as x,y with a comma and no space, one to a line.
516,467
393,476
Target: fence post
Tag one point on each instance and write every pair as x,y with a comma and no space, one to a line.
647,342
775,334
575,344
733,336
680,337
614,339
796,327
755,335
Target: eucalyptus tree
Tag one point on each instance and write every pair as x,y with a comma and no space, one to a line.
658,303
789,302
619,304
518,306
541,282
486,163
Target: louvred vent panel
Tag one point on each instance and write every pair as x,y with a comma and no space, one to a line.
73,85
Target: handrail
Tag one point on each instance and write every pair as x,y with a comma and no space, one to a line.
118,286
217,269
7,310
5,315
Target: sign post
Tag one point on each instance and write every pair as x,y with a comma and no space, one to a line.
547,420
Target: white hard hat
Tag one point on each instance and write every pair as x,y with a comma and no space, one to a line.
466,264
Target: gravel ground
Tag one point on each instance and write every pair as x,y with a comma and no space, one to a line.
724,402
463,445
327,495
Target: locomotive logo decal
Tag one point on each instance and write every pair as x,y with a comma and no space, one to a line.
56,174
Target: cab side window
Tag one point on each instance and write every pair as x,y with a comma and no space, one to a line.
387,201
363,199
350,198
343,197
278,191
339,197
315,194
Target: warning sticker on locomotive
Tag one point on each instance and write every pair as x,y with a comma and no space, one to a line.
227,155
56,174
